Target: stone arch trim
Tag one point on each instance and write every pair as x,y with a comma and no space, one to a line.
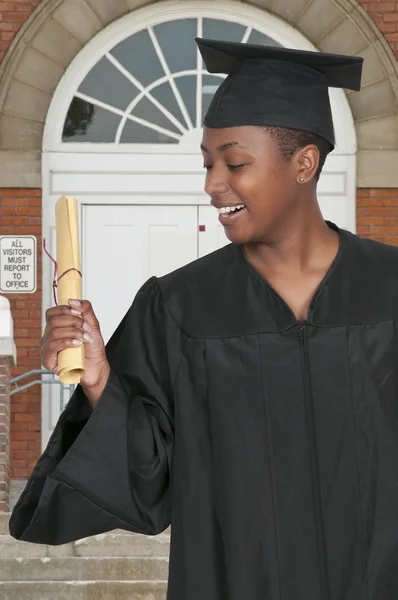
58,29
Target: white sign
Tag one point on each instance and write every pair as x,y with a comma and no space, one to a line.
18,273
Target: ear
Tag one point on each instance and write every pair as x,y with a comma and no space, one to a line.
307,161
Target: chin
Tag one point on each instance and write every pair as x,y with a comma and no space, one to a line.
237,235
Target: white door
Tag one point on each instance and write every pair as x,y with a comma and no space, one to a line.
124,245
211,232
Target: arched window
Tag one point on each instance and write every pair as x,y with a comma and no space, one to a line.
151,88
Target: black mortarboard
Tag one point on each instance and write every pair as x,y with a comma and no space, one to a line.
276,87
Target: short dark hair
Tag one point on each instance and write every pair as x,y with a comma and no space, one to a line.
291,140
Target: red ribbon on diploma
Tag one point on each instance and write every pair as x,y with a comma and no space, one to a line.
55,280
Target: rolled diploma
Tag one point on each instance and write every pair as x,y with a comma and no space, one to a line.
70,360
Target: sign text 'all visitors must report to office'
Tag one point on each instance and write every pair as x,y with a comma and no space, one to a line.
18,271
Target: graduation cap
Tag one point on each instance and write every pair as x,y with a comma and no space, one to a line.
276,87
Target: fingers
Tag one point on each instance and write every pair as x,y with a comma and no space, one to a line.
59,339
66,327
63,316
56,311
75,335
84,307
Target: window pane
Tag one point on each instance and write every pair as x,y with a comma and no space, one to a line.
107,84
260,38
187,87
165,95
146,110
210,83
138,56
216,29
177,41
88,123
134,133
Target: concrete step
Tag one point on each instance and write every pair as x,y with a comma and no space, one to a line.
88,590
84,569
11,548
5,517
114,544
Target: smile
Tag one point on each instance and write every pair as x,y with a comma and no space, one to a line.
230,214
228,210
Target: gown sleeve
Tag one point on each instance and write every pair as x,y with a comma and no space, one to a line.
109,468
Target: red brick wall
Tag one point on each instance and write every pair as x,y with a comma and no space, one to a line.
385,15
20,213
12,16
377,214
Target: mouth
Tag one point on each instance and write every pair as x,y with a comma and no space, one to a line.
229,214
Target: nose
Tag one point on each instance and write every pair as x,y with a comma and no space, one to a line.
215,182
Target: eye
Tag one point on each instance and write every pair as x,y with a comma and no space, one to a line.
236,167
207,167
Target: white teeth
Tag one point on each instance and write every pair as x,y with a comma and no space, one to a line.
227,210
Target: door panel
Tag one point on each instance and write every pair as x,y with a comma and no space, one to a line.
213,236
123,246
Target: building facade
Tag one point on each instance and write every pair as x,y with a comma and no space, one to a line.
103,100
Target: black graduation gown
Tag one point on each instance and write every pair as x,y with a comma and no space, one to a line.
271,448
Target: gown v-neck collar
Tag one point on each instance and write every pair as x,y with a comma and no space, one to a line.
263,280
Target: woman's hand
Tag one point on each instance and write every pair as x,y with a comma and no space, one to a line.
65,328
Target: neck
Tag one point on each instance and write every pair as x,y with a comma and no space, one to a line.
300,243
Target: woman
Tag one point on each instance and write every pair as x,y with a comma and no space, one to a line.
249,398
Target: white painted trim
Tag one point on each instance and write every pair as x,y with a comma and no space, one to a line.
6,320
48,212
247,35
199,70
148,16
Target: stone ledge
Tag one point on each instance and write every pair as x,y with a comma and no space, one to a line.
375,168
20,169
8,349
378,134
20,134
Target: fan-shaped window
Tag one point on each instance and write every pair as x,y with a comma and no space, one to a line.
152,87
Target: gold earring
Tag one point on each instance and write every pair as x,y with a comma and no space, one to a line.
302,179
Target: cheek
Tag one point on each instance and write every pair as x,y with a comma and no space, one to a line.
262,188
